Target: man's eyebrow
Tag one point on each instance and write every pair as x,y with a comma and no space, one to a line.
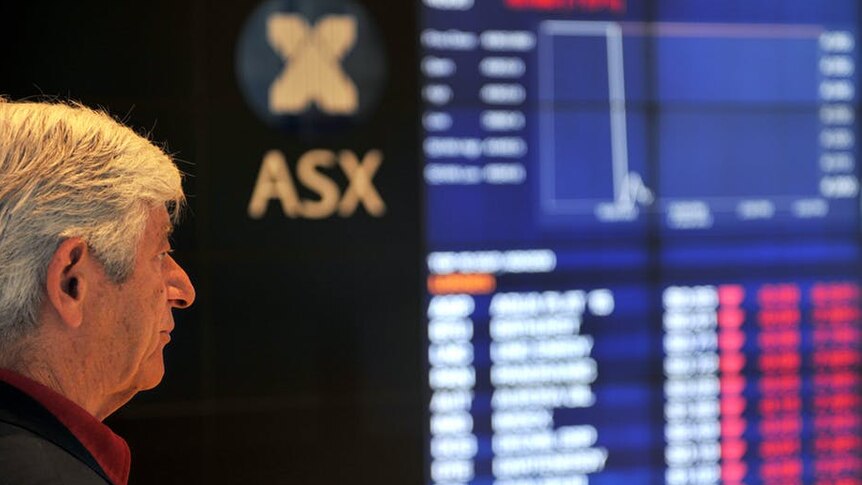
169,230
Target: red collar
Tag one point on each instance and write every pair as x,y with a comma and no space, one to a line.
110,451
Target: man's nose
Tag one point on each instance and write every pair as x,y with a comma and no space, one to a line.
181,292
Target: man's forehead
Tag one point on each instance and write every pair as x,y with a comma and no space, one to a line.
160,222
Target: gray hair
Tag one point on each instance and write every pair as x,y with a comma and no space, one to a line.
70,171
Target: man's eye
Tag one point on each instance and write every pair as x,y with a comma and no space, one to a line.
166,253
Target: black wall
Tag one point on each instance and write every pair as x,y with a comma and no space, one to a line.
302,360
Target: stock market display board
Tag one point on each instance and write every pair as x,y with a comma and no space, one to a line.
643,241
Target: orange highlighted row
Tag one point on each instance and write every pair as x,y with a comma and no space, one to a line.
469,283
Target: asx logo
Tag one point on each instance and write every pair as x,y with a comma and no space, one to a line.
312,71
274,182
310,67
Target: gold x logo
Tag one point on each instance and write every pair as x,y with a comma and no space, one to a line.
361,189
313,64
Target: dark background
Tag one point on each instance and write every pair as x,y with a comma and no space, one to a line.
302,359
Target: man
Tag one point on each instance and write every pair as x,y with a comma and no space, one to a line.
87,285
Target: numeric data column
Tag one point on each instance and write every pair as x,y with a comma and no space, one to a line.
691,388
835,317
452,378
780,384
732,362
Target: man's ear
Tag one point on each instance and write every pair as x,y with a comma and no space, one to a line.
67,280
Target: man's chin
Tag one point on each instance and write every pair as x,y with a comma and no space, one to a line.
152,375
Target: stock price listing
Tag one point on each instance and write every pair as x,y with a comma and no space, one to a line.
643,242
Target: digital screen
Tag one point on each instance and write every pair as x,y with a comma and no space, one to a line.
643,241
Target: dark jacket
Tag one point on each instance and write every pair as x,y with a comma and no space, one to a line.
36,449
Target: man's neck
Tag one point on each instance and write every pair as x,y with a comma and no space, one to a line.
59,376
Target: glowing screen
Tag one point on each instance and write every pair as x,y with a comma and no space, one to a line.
642,233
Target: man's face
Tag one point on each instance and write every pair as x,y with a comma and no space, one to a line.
132,321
